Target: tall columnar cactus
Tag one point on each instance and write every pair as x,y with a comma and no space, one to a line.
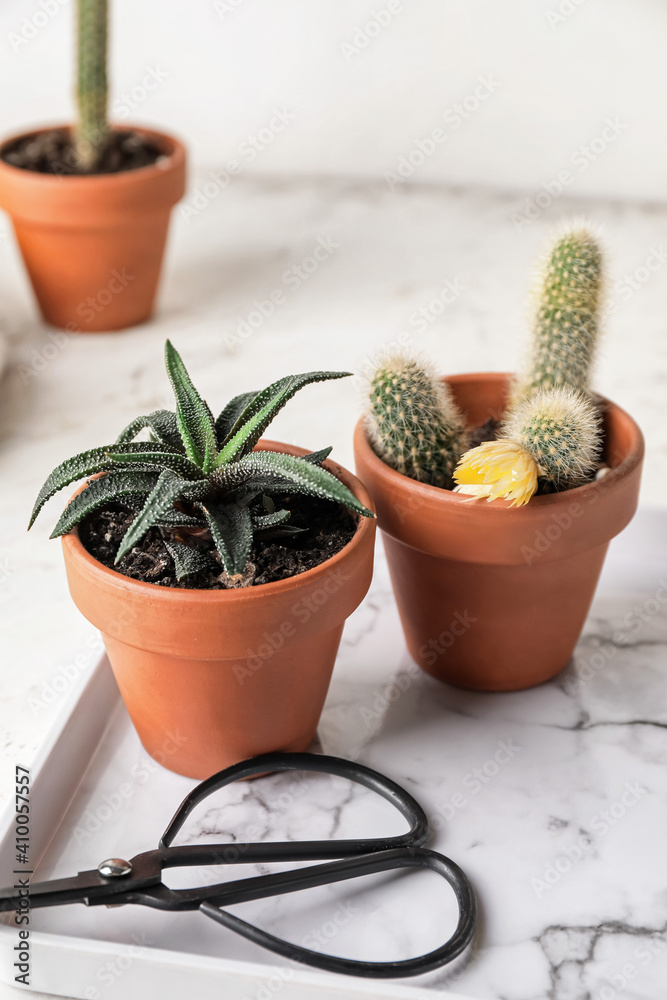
566,316
554,434
412,420
92,128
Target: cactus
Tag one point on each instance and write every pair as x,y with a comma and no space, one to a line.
412,420
554,435
566,313
92,127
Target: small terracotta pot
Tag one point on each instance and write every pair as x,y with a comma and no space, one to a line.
93,245
211,677
494,597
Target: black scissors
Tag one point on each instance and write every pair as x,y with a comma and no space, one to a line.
116,882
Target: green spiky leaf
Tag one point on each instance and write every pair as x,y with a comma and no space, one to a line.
162,459
88,463
163,427
262,521
276,470
193,416
188,561
262,409
231,530
168,489
226,422
115,486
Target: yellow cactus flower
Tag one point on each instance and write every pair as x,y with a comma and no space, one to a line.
498,470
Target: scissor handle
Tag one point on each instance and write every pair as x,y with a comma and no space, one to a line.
282,882
312,850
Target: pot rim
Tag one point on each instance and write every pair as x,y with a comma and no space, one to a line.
174,157
75,551
437,494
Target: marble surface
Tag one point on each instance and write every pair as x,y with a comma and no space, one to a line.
552,800
457,256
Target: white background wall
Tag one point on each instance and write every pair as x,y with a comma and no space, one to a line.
363,97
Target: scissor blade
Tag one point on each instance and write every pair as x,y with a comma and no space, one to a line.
24,894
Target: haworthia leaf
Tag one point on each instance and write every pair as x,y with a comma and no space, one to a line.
87,463
301,475
163,459
162,424
227,419
262,521
317,457
259,413
187,560
114,486
160,501
231,531
194,418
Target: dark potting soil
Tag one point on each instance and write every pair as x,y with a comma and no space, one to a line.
52,152
329,527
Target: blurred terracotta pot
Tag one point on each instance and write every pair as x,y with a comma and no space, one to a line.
93,245
211,677
493,597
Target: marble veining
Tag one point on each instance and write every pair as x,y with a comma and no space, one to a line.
553,800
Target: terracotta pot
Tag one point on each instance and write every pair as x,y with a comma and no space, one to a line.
493,597
211,677
93,246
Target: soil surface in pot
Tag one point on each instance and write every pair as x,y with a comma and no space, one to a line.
52,152
328,528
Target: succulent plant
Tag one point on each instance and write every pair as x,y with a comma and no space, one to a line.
412,420
554,434
566,317
92,128
199,473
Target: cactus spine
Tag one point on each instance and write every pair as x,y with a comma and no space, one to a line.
92,128
412,420
566,315
560,429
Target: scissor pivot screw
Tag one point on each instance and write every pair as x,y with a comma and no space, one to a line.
114,868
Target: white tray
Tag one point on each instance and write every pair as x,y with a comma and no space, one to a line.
510,818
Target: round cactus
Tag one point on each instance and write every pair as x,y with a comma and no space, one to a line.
560,428
553,435
412,420
566,314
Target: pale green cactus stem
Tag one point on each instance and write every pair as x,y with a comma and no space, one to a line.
566,317
412,420
92,127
